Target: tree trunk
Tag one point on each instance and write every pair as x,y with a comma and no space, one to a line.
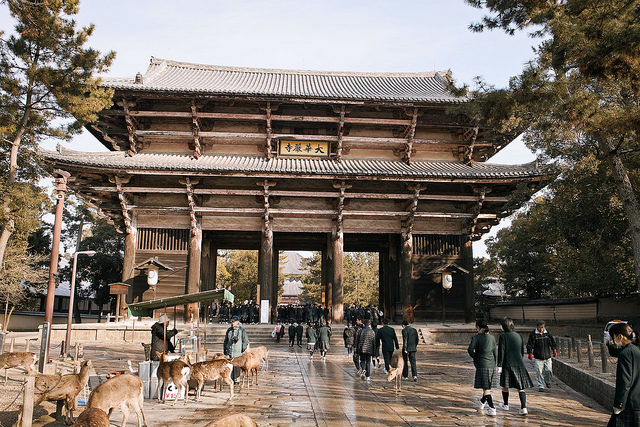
7,229
629,201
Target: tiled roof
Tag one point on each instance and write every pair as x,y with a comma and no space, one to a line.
181,77
224,164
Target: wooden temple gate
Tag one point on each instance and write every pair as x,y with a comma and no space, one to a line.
205,158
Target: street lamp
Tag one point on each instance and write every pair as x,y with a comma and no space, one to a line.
72,292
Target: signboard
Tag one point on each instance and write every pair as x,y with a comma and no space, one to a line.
303,149
264,311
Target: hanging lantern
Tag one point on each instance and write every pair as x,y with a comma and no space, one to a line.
447,280
152,275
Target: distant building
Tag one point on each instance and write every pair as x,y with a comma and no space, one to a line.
292,285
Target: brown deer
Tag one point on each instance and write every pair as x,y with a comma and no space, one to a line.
54,388
92,417
250,364
211,370
263,353
233,420
396,366
175,371
25,360
124,391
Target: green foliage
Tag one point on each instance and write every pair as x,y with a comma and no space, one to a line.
240,276
361,278
311,279
572,241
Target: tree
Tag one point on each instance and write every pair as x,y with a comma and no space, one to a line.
361,278
46,79
311,279
579,97
241,267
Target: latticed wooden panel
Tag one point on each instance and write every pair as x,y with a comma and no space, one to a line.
437,244
163,239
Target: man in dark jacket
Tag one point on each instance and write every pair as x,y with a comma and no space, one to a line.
387,335
348,336
356,337
541,346
292,334
366,346
299,332
161,337
409,348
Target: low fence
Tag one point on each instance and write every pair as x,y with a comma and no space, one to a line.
595,309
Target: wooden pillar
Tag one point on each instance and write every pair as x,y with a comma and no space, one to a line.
406,282
383,281
324,273
207,265
193,278
469,307
393,279
275,270
328,290
265,267
337,285
128,263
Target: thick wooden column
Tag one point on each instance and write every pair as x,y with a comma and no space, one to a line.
275,270
328,289
394,307
337,285
130,244
265,267
193,278
382,280
324,273
469,306
406,281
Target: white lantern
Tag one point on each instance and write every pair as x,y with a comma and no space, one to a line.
447,281
152,275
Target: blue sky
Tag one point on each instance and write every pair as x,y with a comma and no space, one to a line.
354,35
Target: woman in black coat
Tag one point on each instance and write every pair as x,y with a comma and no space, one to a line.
366,347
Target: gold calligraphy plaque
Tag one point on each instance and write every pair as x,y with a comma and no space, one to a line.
303,149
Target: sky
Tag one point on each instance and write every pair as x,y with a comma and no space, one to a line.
327,35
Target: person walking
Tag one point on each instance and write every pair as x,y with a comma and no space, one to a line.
540,347
348,336
299,332
409,349
626,403
483,352
235,343
365,348
511,368
312,336
292,334
389,341
356,337
324,337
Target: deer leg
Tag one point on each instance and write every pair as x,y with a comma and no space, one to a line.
185,385
160,390
125,413
229,381
136,407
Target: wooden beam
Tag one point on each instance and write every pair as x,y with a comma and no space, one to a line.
119,181
131,128
268,150
197,151
411,133
340,133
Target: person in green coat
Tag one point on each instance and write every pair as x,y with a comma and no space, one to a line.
324,335
235,343
626,403
312,337
513,373
483,352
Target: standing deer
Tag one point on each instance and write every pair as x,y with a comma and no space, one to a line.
175,371
124,391
211,370
263,353
53,388
396,366
250,364
25,360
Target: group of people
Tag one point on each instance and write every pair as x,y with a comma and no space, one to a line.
302,314
248,312
507,356
371,313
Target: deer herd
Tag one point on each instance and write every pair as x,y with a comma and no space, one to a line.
126,391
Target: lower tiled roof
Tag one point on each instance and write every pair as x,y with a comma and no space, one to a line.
226,164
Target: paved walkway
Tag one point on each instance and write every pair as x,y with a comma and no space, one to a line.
298,391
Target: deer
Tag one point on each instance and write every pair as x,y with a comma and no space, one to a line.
233,420
263,352
396,366
211,370
249,363
124,391
175,371
54,388
25,360
92,417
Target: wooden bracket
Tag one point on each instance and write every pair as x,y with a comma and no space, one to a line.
268,150
411,133
119,181
481,192
266,217
341,186
340,134
197,149
131,128
412,208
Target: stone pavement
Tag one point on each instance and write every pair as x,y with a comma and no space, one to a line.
298,391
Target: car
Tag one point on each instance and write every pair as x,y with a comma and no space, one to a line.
608,326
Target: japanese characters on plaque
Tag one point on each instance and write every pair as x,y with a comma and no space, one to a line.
303,149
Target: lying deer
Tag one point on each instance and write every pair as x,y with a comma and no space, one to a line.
396,366
175,371
233,420
263,353
25,360
211,370
92,417
124,391
250,364
53,388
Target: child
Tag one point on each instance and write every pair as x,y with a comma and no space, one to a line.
483,351
511,367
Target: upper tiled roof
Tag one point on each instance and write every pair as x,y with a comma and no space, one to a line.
221,164
182,77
